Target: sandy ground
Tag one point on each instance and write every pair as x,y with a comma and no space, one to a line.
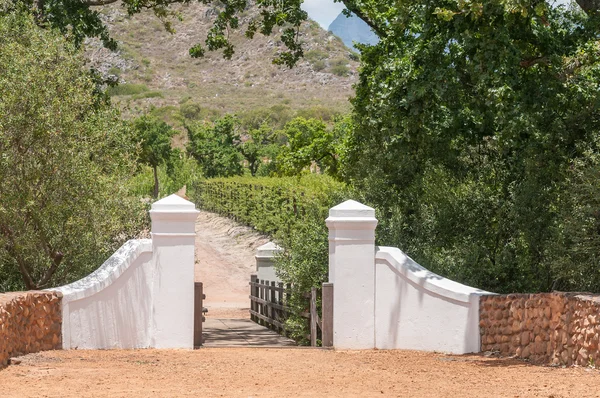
247,372
224,261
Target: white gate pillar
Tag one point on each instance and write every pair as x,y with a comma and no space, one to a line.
265,262
352,271
173,238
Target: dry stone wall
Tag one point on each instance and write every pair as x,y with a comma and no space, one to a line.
550,328
29,322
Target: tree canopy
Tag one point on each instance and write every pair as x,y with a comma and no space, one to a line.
473,124
64,163
154,137
215,147
80,18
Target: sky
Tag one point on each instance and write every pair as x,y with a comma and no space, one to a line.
322,11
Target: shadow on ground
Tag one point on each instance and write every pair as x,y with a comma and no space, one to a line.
240,332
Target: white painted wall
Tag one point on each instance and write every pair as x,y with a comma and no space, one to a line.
418,310
110,307
265,262
143,295
383,299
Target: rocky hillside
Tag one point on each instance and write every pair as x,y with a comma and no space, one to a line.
352,29
156,71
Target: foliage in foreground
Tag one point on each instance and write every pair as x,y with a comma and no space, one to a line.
64,162
477,140
293,211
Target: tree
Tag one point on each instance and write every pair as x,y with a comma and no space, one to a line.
257,147
468,120
154,137
214,146
64,163
309,142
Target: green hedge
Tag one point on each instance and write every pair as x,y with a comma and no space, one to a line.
270,205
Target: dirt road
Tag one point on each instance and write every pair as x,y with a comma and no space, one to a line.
224,261
246,372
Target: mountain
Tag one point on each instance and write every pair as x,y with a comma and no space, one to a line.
352,29
156,71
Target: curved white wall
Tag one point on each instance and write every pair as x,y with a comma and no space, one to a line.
111,308
143,295
419,310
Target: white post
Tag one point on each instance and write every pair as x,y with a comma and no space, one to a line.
173,238
265,259
352,272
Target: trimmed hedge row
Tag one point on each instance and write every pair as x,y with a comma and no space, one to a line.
270,205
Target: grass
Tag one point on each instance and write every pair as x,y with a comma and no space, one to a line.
148,94
127,89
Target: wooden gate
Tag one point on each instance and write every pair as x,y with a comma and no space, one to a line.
268,307
199,311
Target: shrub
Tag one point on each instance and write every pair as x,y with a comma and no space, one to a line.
127,89
149,94
319,65
340,70
316,55
318,112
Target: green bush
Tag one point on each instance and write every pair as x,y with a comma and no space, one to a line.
318,112
191,111
149,94
127,89
276,116
340,70
315,55
271,205
319,65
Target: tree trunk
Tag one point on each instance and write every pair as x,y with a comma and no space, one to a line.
155,193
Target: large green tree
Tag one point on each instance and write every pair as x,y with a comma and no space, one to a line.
154,138
470,118
309,143
64,161
215,147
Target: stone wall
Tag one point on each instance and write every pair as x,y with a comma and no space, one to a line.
549,328
29,322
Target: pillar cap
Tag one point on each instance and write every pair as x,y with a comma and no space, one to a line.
268,250
175,204
351,209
